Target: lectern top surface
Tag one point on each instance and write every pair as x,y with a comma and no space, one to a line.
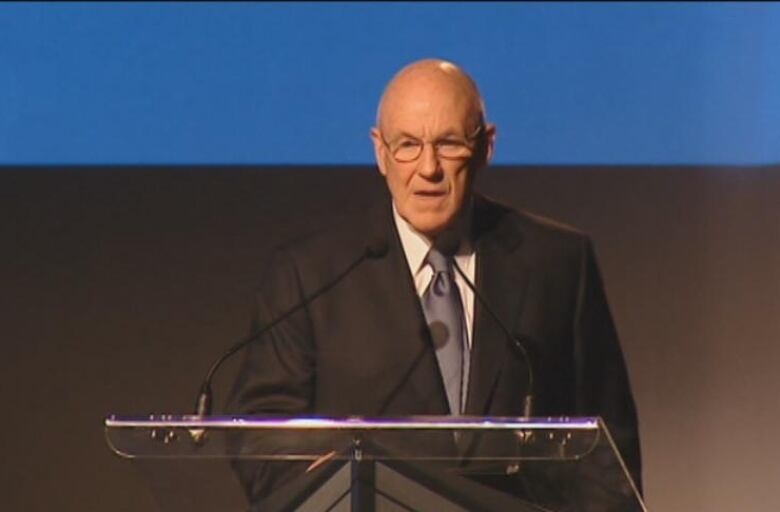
353,423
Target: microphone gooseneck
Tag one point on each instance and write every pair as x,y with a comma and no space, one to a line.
515,343
376,247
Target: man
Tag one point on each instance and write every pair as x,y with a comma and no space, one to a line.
401,332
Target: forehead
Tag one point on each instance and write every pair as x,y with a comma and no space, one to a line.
425,106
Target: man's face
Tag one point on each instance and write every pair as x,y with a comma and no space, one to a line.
430,191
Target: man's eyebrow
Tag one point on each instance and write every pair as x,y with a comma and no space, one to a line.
406,134
451,134
448,133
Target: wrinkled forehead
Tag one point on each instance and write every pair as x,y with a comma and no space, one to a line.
430,114
435,98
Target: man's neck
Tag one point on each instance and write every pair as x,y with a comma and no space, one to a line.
454,238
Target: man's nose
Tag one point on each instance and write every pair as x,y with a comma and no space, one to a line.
428,166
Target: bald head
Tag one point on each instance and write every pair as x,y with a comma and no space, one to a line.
424,79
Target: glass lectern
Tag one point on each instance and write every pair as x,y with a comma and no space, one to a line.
438,464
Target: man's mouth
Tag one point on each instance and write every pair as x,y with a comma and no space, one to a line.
430,193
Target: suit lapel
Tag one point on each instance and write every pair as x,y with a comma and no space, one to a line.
415,386
501,279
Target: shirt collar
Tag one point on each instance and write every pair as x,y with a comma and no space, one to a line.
416,245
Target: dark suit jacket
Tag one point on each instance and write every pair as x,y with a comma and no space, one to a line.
363,348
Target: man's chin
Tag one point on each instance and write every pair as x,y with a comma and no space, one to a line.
430,224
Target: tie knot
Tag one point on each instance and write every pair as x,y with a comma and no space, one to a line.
438,261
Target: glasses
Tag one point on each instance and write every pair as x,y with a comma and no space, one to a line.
409,149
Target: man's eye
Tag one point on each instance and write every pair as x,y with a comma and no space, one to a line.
408,144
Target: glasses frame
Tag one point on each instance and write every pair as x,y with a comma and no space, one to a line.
469,139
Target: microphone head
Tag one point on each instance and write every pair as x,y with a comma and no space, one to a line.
203,403
376,247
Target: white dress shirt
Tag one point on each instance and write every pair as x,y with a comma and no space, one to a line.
416,246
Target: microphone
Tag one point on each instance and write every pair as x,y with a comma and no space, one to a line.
514,341
376,247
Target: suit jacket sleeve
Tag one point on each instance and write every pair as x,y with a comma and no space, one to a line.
602,380
277,377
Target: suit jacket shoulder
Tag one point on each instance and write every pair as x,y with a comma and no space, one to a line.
328,250
513,226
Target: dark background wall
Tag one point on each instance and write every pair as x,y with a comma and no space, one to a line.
119,288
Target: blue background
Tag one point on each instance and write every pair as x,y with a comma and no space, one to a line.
298,83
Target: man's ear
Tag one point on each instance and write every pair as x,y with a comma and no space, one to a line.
379,150
490,141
